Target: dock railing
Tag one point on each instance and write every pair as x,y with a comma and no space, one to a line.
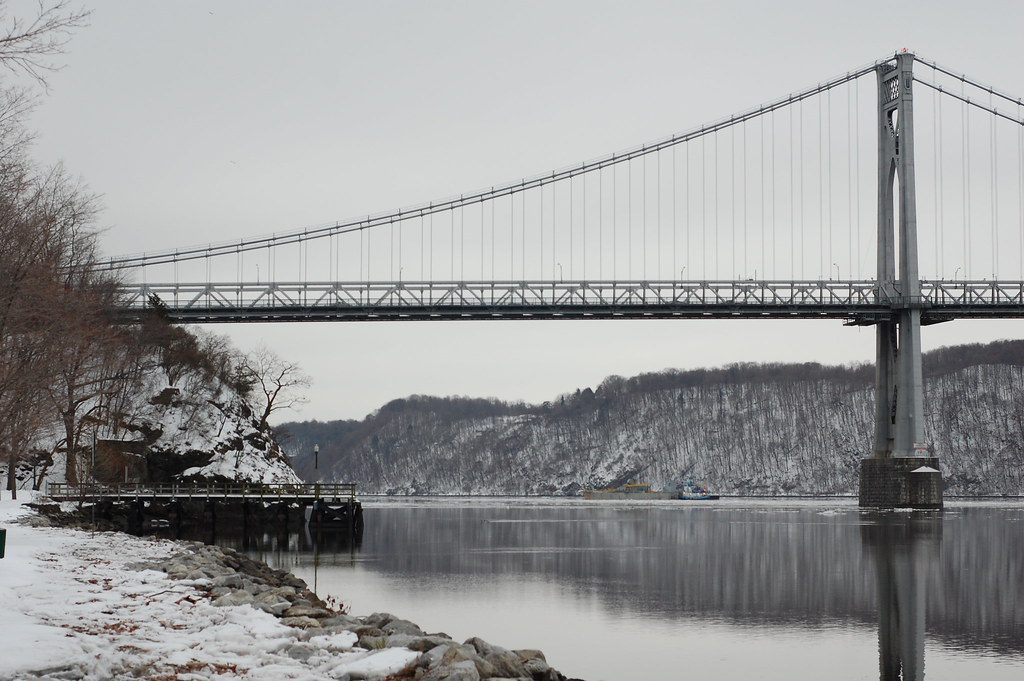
127,491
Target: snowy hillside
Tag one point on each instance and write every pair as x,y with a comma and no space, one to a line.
778,435
197,430
207,432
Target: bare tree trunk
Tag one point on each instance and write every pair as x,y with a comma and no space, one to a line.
12,478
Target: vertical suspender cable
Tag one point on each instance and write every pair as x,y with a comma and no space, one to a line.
995,191
554,228
764,270
800,202
584,178
657,158
615,222
856,147
935,180
715,188
572,201
629,220
746,242
792,216
541,270
828,139
494,236
511,236
643,232
774,230
967,189
703,208
686,206
821,191
849,178
732,195
1020,192
941,188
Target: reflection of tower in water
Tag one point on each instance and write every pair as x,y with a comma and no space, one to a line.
902,546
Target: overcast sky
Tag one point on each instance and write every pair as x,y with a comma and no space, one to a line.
210,121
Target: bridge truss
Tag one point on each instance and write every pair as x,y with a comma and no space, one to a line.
856,302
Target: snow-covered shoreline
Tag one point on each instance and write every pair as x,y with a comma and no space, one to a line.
90,606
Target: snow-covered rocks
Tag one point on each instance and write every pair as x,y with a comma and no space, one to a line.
205,433
95,606
390,645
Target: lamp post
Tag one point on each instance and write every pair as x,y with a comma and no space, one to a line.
837,271
316,469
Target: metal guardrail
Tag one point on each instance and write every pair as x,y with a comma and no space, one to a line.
60,491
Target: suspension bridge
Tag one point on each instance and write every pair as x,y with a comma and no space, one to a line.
891,196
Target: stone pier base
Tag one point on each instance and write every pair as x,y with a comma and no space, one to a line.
900,482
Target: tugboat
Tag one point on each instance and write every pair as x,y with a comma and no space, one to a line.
692,492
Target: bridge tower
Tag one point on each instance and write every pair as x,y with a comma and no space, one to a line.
902,472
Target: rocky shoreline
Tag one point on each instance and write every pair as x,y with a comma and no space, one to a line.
229,578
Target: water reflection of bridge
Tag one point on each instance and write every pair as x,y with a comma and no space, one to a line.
902,547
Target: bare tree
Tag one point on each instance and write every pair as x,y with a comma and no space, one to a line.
27,45
46,257
275,381
97,362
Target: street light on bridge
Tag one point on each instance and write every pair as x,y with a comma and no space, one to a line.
316,460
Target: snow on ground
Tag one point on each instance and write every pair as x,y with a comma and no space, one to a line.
72,602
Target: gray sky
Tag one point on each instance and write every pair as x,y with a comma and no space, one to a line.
211,121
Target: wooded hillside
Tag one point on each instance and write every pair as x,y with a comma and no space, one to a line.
742,429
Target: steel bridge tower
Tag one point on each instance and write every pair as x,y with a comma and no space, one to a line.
902,472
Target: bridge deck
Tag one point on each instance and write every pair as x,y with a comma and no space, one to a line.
858,302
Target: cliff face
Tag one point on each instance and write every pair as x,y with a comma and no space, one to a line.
746,430
204,431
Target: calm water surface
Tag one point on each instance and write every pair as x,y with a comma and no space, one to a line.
737,589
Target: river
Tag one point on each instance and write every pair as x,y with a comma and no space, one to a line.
735,589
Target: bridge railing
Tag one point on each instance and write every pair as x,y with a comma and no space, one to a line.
129,491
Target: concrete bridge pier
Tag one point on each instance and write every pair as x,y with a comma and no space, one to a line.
903,473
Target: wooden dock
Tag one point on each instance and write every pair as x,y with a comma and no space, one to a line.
131,491
140,506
